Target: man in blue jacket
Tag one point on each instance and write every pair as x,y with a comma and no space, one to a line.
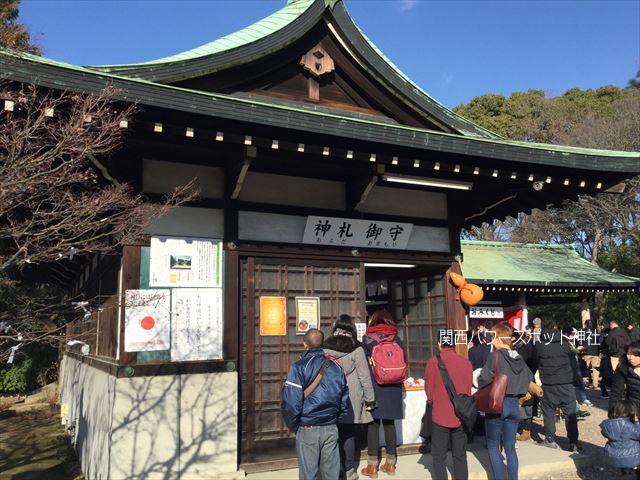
314,396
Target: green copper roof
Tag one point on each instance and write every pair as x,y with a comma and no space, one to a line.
20,66
501,263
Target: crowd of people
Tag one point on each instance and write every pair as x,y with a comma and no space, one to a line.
342,387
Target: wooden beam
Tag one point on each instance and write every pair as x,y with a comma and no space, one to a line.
236,172
359,189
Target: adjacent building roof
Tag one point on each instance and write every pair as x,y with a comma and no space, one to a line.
535,265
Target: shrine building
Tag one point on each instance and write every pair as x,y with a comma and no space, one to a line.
323,171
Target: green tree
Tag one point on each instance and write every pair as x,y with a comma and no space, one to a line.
605,228
14,34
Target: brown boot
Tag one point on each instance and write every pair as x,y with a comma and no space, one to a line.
524,436
388,468
370,471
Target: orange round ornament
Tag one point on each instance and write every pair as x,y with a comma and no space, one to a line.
471,294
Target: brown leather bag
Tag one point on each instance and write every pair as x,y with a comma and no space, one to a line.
490,398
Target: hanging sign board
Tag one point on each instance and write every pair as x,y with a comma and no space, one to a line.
349,232
147,316
196,332
486,312
361,329
307,314
185,262
273,316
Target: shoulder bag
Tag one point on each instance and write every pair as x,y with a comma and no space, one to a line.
490,398
463,405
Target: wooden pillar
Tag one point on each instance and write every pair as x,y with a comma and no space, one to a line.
456,312
130,281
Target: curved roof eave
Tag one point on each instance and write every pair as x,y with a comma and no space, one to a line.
281,29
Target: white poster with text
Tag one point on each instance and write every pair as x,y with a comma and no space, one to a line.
196,332
185,262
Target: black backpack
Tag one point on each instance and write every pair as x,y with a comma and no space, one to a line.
463,405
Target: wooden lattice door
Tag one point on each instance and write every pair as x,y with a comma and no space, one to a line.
266,359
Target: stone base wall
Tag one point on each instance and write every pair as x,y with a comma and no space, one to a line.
172,426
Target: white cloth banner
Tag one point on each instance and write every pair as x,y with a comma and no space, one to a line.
147,320
196,332
185,262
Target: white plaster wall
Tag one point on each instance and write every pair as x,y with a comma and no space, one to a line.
190,222
208,425
406,203
89,395
145,428
296,191
165,427
163,177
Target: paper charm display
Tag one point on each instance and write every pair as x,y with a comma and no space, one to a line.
469,293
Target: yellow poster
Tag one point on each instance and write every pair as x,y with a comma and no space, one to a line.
307,314
273,316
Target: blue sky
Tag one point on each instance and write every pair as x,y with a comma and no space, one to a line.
454,50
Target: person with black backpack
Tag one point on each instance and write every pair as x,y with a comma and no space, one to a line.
504,425
446,426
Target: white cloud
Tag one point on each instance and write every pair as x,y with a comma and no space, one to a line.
447,78
406,5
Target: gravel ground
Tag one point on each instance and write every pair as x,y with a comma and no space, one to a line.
591,440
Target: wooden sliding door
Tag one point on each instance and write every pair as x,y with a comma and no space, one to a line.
265,360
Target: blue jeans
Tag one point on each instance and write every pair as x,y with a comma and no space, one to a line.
582,390
505,426
318,454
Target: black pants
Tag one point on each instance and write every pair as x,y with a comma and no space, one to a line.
373,437
563,397
347,441
440,438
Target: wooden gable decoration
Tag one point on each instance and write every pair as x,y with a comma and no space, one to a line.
317,62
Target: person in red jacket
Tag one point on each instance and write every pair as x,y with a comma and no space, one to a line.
446,425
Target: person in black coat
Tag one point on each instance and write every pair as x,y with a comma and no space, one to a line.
617,341
558,369
633,332
606,372
626,379
479,350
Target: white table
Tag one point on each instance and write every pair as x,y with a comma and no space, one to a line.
413,406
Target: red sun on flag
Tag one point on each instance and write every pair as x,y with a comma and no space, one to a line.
147,323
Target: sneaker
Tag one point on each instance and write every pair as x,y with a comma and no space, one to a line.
575,448
524,436
549,443
587,403
604,395
582,414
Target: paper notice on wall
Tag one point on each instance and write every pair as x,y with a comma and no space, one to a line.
361,328
273,315
307,314
196,332
185,262
147,316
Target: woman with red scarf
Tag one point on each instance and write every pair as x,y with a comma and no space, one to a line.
388,399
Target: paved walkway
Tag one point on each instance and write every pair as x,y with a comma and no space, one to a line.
536,462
